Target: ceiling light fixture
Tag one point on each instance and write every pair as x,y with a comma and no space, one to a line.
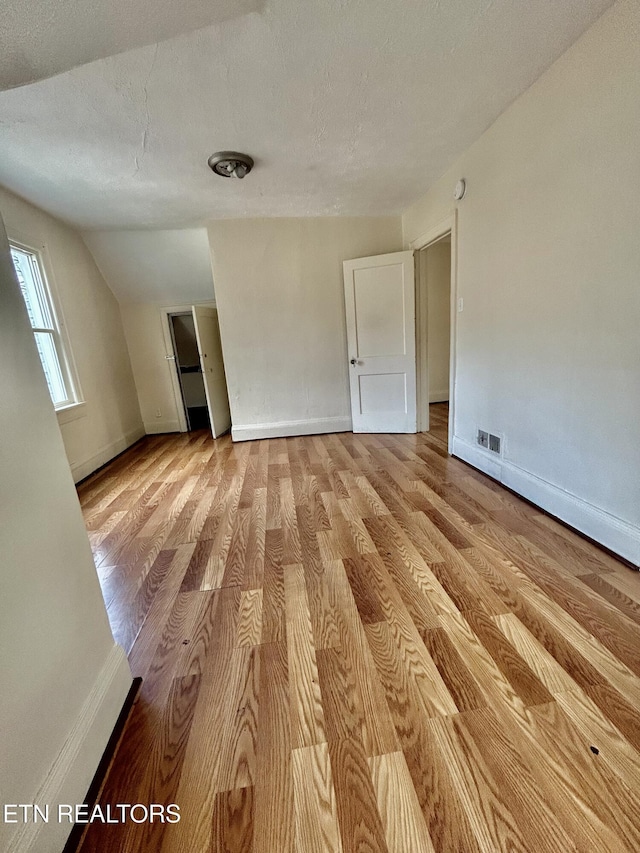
230,164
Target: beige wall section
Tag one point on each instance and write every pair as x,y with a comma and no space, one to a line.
110,421
63,678
437,270
148,347
548,350
280,298
149,270
143,330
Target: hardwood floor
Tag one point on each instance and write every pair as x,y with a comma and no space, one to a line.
357,643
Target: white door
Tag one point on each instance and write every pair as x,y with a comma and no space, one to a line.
205,321
380,303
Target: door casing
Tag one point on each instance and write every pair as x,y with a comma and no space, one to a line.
165,313
446,226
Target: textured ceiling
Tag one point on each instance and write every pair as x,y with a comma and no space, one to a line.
40,38
348,107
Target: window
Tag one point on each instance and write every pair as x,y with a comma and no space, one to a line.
44,323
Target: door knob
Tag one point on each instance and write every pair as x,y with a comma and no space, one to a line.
354,361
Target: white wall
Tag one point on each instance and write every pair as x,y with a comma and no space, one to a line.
548,350
437,271
63,678
280,300
110,421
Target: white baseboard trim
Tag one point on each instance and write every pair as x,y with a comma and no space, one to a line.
80,470
72,771
155,427
619,536
439,396
283,429
483,461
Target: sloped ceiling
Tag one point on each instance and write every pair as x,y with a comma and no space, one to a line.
350,107
168,267
40,38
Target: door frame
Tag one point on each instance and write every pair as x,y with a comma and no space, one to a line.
449,225
170,356
176,371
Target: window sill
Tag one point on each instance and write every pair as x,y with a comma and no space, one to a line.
71,413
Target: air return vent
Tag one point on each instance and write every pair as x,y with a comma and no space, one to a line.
488,441
494,443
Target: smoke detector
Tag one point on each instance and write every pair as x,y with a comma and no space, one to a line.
230,164
460,189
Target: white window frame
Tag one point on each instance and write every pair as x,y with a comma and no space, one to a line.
74,406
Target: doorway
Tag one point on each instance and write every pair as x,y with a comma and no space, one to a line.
388,340
189,370
192,342
433,328
436,283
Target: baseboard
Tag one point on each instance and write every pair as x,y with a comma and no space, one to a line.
71,773
283,429
93,794
439,396
156,427
613,533
80,470
485,462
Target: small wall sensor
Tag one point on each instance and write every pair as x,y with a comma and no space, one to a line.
460,189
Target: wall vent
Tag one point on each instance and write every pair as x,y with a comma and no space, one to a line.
494,443
483,438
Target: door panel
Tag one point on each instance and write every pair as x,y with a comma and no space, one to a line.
382,392
205,321
380,309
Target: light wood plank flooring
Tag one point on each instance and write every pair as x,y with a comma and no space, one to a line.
356,643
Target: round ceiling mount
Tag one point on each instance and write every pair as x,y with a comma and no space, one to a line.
230,164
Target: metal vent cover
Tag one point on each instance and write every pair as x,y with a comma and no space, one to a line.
483,438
